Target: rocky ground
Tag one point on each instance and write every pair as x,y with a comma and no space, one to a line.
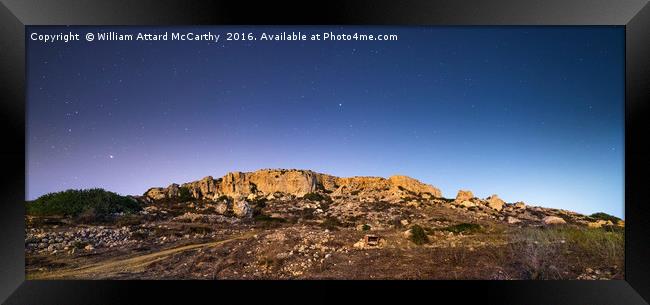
358,233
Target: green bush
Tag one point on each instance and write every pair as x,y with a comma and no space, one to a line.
605,216
365,227
418,236
89,203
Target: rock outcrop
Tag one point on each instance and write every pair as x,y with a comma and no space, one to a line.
241,208
464,195
553,220
267,182
495,202
414,185
156,193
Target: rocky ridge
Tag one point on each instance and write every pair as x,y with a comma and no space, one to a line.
297,183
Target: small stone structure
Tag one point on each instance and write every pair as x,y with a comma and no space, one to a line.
371,240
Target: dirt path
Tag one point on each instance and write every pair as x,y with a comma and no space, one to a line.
130,265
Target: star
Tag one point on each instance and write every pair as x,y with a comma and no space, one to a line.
111,156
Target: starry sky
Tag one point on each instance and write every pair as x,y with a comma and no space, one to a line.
529,113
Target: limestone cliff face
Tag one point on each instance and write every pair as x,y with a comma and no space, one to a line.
413,185
293,182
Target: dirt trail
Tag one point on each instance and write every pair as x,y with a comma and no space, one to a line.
130,265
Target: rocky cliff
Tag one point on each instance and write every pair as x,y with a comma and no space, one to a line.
294,182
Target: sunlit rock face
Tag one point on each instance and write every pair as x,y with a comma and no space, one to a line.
295,182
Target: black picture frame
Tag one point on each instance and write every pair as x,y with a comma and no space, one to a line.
16,14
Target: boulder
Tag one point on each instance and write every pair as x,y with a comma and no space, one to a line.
513,220
519,205
156,193
464,195
495,202
222,207
172,190
241,208
553,220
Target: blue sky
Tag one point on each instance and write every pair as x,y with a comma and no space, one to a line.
529,113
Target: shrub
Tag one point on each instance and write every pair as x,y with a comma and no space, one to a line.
464,228
199,230
331,223
224,198
418,236
267,218
184,194
605,216
88,203
316,197
79,244
259,202
365,227
128,220
140,235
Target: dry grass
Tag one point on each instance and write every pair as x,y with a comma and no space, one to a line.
556,252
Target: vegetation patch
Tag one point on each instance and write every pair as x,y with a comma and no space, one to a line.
224,198
331,223
259,202
184,194
317,197
267,218
128,220
605,216
542,253
93,203
418,235
79,244
464,228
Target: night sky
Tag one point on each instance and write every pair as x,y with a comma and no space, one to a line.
532,114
